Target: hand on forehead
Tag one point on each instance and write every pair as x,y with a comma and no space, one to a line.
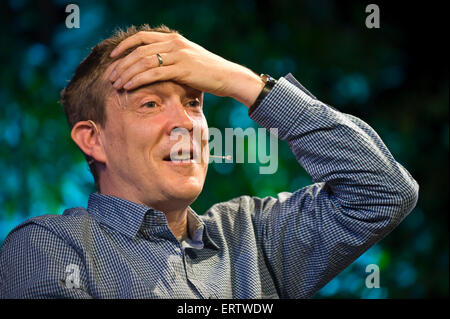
110,69
149,57
124,98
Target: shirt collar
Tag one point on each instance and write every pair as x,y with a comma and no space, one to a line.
196,229
120,214
128,218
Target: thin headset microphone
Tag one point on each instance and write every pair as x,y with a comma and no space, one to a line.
227,157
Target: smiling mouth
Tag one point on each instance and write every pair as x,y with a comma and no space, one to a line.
179,157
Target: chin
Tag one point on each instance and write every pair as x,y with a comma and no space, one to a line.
187,191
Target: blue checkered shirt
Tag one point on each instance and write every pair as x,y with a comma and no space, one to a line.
287,246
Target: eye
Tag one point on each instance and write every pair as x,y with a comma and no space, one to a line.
149,104
194,103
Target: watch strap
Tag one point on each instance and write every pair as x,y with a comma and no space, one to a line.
269,84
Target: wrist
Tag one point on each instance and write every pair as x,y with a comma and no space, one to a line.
248,88
269,83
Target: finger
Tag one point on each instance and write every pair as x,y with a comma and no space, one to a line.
136,55
163,73
110,68
142,37
144,64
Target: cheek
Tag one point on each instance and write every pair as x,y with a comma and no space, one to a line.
146,139
200,124
126,140
201,137
113,139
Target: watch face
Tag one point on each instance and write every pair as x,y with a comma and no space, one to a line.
267,78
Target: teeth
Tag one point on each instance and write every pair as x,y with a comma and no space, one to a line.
180,157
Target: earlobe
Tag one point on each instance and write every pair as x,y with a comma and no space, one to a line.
87,136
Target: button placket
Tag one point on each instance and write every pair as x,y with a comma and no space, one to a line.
190,274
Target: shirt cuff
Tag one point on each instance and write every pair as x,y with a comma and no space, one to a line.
283,106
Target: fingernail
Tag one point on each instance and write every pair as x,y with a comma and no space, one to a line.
128,85
113,53
117,83
113,76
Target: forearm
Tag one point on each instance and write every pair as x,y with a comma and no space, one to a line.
246,87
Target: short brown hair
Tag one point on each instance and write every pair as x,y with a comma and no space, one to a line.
84,98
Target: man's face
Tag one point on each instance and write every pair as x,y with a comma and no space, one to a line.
138,144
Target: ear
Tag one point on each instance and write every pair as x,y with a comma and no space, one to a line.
87,137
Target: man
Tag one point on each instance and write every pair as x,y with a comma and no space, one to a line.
139,238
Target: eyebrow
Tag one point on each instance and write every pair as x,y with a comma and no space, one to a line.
137,93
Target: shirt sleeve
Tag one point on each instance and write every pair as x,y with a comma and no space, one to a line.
36,263
360,192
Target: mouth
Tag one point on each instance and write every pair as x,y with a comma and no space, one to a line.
180,158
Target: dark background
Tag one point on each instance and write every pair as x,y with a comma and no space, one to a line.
395,78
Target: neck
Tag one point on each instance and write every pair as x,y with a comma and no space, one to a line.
175,211
177,220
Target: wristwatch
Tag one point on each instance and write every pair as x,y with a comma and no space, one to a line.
269,84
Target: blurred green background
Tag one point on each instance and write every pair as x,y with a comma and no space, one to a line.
395,78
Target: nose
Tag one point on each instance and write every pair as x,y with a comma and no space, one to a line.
179,118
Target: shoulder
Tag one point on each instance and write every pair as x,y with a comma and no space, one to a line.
244,207
261,209
67,227
35,255
248,204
